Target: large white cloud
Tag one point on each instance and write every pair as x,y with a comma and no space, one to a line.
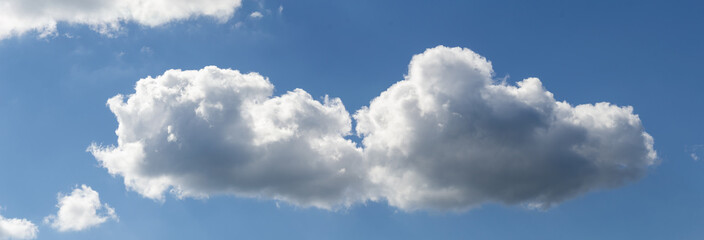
16,228
448,137
80,210
106,16
196,133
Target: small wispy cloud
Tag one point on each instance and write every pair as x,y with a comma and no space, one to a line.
146,50
256,15
696,151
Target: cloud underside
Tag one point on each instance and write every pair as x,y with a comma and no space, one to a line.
448,137
80,210
15,228
105,16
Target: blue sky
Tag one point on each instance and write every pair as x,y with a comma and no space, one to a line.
645,54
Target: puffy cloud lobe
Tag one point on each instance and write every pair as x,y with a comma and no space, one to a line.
197,133
16,228
105,16
80,210
448,137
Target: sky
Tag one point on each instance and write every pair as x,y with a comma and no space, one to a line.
263,119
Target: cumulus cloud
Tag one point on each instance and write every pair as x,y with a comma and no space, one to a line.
80,210
16,228
195,133
448,137
105,16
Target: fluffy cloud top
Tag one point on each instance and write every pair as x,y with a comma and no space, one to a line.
80,210
105,16
15,228
447,137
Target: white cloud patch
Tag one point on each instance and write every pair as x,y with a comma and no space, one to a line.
146,50
448,137
695,151
16,228
80,210
256,15
105,16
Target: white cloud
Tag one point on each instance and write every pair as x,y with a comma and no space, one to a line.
146,50
448,137
281,9
15,228
197,133
256,15
80,210
105,16
695,151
